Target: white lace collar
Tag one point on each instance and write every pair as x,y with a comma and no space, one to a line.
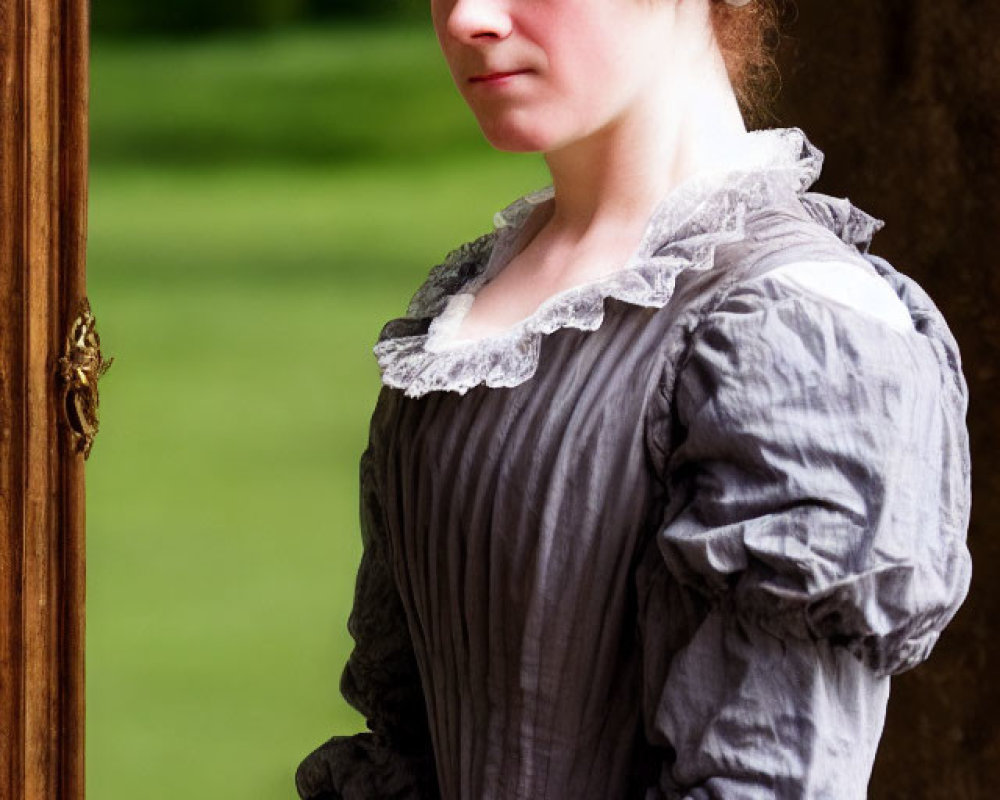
703,212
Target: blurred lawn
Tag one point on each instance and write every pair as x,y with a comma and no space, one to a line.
259,206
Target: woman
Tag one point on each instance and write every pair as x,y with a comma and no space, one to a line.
668,474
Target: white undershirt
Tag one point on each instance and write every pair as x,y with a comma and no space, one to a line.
848,285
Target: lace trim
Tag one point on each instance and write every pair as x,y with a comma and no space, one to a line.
702,213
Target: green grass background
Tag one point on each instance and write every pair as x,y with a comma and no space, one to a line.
259,206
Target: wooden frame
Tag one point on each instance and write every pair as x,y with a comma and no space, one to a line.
43,173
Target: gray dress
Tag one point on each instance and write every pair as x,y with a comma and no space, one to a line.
670,536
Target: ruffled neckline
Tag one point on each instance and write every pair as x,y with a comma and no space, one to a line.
705,211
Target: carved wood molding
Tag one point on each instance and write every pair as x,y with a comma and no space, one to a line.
43,175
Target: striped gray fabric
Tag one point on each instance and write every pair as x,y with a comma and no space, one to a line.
681,557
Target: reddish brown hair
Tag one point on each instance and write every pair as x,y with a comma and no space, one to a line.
748,37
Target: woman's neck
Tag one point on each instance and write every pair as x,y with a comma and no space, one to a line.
686,122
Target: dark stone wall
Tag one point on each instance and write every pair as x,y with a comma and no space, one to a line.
903,96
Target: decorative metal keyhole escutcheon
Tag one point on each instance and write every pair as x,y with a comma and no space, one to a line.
80,367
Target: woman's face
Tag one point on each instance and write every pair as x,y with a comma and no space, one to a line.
541,74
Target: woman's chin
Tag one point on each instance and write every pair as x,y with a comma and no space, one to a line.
514,138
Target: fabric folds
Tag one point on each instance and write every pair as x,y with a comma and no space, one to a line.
803,480
394,760
819,508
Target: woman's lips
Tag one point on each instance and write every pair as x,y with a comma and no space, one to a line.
496,77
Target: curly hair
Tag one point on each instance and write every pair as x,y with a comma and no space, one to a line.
748,37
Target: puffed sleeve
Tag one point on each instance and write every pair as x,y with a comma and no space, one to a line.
818,501
394,758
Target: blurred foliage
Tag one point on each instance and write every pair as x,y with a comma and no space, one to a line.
323,93
260,204
368,8
190,17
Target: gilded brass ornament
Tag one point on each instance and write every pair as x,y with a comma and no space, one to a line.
80,367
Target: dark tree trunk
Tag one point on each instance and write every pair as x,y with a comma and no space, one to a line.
903,96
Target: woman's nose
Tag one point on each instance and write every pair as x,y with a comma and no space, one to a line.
479,19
